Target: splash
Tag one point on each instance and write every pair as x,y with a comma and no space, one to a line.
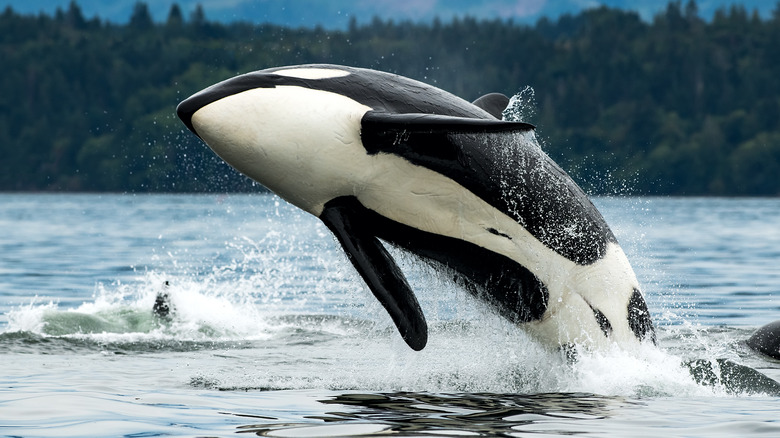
281,312
123,312
521,107
243,296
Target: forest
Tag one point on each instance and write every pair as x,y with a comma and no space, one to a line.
676,105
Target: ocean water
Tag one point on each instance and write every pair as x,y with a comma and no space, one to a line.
273,334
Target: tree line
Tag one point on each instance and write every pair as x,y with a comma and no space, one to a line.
674,106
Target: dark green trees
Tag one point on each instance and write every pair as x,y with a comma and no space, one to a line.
677,105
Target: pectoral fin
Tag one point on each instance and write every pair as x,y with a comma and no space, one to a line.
378,269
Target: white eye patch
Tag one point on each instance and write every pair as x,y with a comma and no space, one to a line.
312,73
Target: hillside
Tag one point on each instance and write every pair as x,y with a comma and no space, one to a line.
677,106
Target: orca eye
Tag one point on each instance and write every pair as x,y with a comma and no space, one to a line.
639,318
602,320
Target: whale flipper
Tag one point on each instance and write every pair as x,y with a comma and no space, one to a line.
484,156
493,103
377,126
735,378
377,268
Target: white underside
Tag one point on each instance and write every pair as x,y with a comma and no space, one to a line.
305,145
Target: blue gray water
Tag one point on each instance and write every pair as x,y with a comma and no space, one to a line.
274,334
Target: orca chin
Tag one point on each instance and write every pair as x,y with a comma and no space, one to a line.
380,157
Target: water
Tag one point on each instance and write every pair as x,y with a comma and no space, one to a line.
274,334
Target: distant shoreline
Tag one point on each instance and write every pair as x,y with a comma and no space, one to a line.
675,106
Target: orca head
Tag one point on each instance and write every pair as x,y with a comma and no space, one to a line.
280,131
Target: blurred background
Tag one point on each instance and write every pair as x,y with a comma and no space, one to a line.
641,97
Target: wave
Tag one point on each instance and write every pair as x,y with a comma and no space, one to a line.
288,340
204,314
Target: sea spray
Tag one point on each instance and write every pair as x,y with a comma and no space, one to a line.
521,107
290,313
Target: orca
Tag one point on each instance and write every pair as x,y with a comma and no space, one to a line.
766,340
383,158
736,379
163,308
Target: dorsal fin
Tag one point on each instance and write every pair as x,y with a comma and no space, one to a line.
493,103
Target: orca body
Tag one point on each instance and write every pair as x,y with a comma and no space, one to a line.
163,308
377,156
766,340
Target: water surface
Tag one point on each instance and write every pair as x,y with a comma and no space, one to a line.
274,334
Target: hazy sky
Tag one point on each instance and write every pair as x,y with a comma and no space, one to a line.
336,13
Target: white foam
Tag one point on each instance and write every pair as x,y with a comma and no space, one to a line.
312,324
29,318
647,371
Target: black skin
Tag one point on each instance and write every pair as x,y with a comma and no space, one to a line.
766,340
734,378
510,288
162,307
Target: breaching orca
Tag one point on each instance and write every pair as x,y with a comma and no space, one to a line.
377,156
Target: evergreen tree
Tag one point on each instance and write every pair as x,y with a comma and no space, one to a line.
175,16
141,19
678,105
